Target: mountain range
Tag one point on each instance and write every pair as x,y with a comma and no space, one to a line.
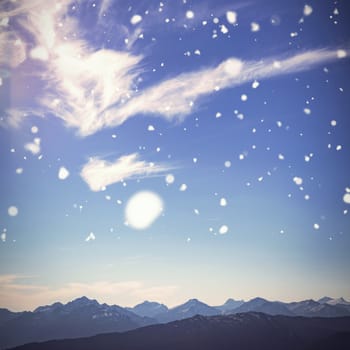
84,317
245,331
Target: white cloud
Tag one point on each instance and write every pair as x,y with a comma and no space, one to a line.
78,94
12,48
39,53
99,173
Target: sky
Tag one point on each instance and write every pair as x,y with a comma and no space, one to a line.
174,150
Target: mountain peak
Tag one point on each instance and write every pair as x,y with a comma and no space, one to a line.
82,301
324,300
193,301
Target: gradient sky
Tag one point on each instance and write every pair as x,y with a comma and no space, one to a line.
234,115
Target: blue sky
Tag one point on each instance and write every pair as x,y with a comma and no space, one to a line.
175,149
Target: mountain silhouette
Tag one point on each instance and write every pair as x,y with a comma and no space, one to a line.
247,331
84,317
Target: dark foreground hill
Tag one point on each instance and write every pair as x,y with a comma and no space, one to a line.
247,331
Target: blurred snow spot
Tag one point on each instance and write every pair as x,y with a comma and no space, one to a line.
33,147
255,84
223,202
346,198
142,209
169,179
307,10
254,27
183,187
189,14
90,237
298,180
223,29
231,17
223,230
135,19
12,211
341,53
34,129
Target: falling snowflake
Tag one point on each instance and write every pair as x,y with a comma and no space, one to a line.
135,19
12,211
63,173
189,14
223,202
254,27
183,187
169,179
223,229
231,17
90,237
307,10
255,84
298,180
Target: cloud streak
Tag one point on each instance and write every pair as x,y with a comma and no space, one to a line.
99,173
175,98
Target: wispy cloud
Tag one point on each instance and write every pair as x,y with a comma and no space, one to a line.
12,48
175,98
99,173
80,82
17,293
93,89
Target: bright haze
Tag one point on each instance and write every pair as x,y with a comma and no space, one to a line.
174,150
